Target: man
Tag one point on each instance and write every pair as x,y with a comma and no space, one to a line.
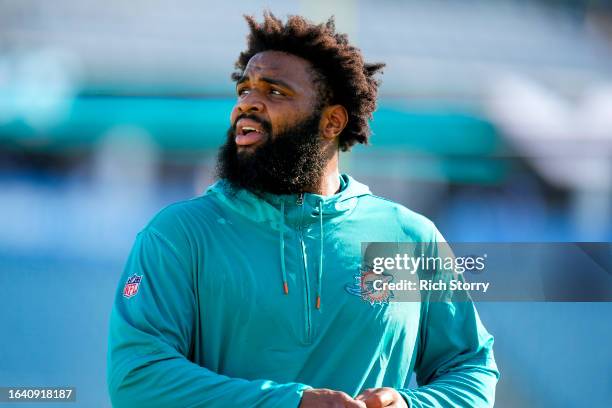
239,297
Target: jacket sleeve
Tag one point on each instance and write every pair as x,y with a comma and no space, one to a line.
455,366
151,337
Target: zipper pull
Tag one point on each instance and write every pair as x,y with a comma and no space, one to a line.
300,199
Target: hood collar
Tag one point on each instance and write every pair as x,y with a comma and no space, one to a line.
299,208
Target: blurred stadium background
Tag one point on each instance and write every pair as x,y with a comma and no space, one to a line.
495,121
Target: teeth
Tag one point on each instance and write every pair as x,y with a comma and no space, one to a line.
249,129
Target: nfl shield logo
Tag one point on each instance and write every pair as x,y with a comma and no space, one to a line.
131,286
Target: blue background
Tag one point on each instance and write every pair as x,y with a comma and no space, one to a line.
492,122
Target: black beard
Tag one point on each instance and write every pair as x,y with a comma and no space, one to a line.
293,162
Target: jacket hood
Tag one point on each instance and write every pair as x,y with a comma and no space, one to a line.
299,209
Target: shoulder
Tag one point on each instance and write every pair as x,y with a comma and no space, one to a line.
184,219
416,226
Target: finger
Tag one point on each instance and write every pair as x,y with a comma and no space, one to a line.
365,394
379,398
386,395
355,404
349,402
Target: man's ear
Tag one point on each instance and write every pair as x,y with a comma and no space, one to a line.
333,121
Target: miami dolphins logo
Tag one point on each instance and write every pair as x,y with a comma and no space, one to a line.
364,287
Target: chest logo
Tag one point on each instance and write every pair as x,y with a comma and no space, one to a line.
371,287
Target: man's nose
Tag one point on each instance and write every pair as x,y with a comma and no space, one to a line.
250,103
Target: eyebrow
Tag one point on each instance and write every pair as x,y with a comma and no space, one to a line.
269,80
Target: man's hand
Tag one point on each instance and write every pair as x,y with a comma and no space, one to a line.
382,397
324,398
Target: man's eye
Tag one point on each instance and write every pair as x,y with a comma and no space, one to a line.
276,92
242,92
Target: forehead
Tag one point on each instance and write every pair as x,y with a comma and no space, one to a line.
290,68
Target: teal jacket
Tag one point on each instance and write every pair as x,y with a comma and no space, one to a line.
233,299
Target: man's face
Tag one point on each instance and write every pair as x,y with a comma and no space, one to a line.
274,142
276,90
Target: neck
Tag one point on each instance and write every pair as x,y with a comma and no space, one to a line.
330,181
330,184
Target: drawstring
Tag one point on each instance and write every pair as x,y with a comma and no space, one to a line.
320,275
282,252
282,249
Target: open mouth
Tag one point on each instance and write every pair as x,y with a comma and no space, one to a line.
248,132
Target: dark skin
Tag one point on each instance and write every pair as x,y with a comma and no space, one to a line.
280,88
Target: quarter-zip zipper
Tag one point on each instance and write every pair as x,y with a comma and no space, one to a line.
308,317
